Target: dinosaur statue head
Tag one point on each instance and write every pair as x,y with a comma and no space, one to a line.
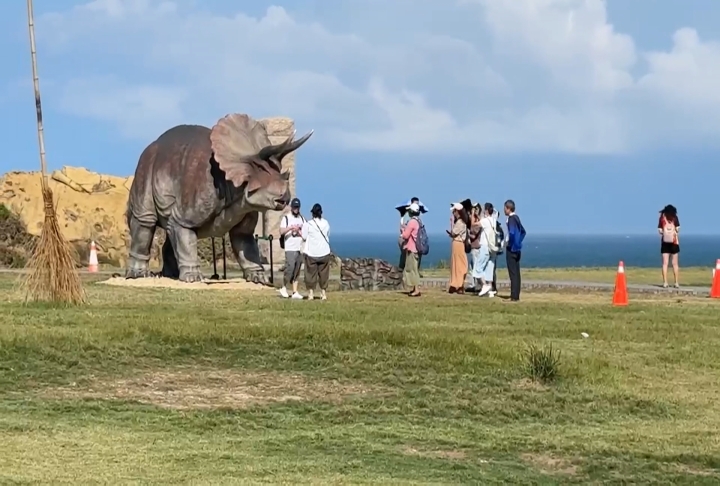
243,151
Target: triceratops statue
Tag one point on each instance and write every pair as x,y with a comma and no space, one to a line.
196,182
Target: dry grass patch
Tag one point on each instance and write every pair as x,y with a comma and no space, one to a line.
548,464
526,384
438,454
692,471
196,389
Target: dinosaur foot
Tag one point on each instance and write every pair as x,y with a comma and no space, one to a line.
258,277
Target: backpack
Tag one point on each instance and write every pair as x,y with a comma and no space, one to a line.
492,239
282,237
422,243
668,231
499,237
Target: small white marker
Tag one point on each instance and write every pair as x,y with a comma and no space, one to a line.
585,335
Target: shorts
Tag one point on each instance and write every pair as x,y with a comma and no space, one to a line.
669,248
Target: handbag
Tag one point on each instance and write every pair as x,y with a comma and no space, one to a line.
325,238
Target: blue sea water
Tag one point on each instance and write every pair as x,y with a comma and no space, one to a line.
551,250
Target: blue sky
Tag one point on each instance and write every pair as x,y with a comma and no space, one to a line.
591,115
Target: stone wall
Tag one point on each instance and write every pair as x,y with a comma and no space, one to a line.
369,274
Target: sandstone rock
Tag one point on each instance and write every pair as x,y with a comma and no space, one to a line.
90,206
278,129
369,274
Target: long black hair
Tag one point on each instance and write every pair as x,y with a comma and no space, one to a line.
669,211
464,216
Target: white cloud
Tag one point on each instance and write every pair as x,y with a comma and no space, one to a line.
474,76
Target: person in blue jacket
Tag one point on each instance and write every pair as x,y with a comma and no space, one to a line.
513,248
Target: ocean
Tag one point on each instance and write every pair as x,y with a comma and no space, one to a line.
551,250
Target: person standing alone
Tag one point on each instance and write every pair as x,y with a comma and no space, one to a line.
669,227
513,250
291,231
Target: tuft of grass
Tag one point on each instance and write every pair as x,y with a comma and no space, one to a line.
440,265
541,364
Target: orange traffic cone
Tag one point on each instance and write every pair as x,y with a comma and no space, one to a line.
93,260
715,289
620,295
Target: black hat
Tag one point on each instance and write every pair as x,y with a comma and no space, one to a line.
295,203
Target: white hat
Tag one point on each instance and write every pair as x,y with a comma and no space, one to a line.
414,207
457,206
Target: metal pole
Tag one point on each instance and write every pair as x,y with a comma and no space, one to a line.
224,260
215,275
272,267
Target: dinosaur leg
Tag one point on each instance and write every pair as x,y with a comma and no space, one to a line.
184,242
246,249
170,264
141,239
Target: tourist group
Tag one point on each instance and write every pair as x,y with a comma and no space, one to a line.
474,230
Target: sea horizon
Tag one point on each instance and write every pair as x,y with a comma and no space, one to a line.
547,250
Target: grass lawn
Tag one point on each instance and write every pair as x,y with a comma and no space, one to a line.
153,386
689,277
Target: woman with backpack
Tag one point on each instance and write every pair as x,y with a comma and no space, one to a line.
485,268
409,236
668,228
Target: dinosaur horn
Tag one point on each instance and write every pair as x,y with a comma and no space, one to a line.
282,149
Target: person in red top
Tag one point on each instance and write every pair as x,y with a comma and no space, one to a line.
409,233
668,228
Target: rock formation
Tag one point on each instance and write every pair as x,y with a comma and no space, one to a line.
369,274
278,130
92,206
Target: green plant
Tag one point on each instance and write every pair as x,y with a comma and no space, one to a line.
442,265
4,213
541,364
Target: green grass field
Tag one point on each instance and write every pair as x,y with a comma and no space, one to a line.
689,277
150,386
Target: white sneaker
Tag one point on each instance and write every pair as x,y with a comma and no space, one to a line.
491,294
323,296
283,293
484,290
297,296
311,296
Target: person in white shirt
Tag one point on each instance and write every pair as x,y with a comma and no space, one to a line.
291,231
316,235
488,250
